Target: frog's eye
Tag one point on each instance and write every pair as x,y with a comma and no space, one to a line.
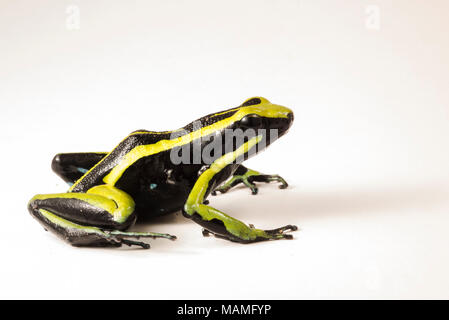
251,121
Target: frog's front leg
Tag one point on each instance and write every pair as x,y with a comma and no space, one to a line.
95,218
219,223
248,177
226,227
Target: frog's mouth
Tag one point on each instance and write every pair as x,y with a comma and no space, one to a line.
232,141
281,124
274,128
255,140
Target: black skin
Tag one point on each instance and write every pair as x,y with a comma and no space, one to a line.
173,182
72,161
67,165
157,185
166,198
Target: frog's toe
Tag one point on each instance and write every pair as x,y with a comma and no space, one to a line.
138,235
122,237
280,233
221,189
130,243
206,233
286,228
249,179
236,181
267,178
283,185
252,186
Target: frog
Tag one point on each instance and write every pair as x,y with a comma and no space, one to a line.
145,176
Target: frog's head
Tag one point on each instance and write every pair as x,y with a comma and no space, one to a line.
246,129
256,123
260,123
258,113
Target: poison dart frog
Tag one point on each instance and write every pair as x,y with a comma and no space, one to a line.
155,173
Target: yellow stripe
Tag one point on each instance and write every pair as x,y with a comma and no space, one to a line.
135,133
139,152
97,200
66,223
265,109
162,145
196,196
114,201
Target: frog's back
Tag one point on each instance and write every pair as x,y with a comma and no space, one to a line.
96,175
157,185
137,145
141,166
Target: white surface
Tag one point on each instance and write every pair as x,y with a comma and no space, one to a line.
367,157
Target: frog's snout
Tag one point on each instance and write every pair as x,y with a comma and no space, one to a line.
282,124
290,117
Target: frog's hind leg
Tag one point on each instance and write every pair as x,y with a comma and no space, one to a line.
72,166
219,223
95,218
248,177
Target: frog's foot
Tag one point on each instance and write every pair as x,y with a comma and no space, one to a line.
225,227
88,236
279,233
219,223
248,177
92,219
122,237
261,235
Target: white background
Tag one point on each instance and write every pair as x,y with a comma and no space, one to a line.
367,157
